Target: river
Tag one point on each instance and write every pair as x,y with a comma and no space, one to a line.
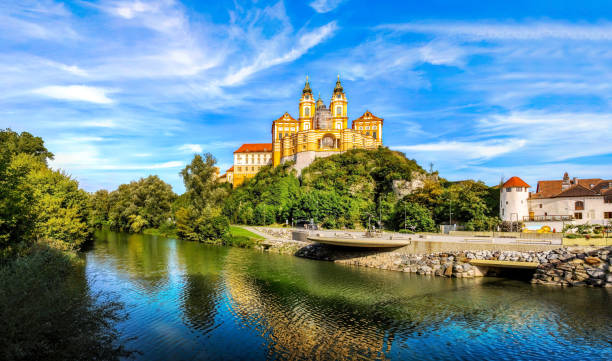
189,301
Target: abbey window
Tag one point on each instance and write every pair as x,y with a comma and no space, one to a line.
307,111
339,111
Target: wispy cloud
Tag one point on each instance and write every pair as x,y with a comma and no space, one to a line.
509,31
325,6
75,93
191,148
548,135
467,151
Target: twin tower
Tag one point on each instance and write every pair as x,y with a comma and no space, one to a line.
315,115
320,131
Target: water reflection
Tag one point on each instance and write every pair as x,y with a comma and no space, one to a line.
190,301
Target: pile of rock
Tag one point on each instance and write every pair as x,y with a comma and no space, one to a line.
282,233
576,267
562,267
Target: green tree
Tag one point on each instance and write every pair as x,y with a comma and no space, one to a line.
61,206
200,218
99,204
26,143
200,180
17,213
412,216
146,202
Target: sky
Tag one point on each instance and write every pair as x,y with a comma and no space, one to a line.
479,90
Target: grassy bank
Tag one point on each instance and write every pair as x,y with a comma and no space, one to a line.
240,237
597,242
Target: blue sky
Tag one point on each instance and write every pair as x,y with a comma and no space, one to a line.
481,89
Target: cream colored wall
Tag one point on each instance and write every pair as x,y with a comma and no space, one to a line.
514,206
594,208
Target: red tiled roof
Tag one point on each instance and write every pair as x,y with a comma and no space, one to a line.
515,182
577,190
255,147
230,170
554,188
367,117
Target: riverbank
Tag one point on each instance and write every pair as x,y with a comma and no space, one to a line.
558,266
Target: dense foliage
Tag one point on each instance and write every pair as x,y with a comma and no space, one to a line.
355,189
267,198
145,203
199,216
46,308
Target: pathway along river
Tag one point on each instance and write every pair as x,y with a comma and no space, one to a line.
191,301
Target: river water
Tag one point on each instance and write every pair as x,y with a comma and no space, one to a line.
189,301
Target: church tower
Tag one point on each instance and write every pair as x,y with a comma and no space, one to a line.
307,107
339,107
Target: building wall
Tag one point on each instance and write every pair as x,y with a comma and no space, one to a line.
593,213
514,206
310,141
247,164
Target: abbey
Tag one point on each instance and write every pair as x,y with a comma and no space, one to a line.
318,131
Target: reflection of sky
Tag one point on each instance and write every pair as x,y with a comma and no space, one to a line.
219,303
121,89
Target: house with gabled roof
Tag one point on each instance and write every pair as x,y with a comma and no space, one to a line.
556,202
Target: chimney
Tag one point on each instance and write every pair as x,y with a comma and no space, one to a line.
566,182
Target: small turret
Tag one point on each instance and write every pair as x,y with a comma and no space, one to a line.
320,101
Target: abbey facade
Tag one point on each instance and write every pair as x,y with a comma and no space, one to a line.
319,131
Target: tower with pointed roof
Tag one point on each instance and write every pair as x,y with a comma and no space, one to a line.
514,197
307,107
339,106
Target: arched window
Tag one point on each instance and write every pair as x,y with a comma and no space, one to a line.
339,110
338,125
374,134
307,111
579,206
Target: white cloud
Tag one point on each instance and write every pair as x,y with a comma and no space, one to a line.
76,93
553,136
510,31
441,52
272,54
324,6
479,150
191,148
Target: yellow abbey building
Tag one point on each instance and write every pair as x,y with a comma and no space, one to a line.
318,132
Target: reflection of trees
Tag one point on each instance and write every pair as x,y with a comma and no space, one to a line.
143,257
202,267
317,310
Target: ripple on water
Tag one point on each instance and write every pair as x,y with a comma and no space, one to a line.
189,301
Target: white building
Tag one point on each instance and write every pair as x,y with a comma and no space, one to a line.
514,198
557,202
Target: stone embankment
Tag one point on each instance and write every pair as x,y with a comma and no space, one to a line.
561,267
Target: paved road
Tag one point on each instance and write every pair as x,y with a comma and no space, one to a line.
421,237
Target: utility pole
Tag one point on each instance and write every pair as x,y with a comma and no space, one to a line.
405,225
450,210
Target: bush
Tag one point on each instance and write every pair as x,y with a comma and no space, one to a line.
205,226
48,313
